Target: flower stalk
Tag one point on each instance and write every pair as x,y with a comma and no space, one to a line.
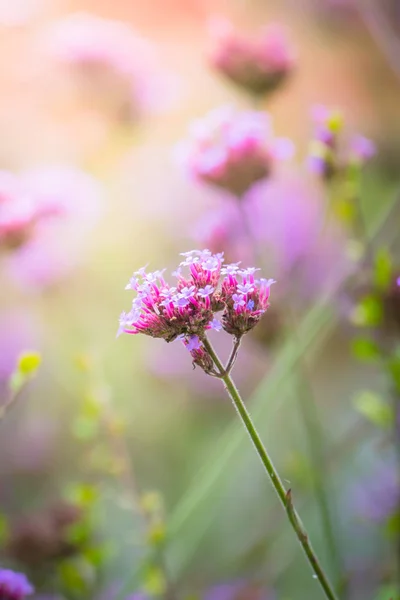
285,496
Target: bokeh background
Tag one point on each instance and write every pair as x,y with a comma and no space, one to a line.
106,416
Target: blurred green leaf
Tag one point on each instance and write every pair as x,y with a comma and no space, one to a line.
299,469
392,527
98,555
394,370
365,349
154,582
76,575
79,533
85,428
335,121
4,529
373,408
27,366
83,494
29,362
368,313
156,534
388,592
345,211
152,502
383,269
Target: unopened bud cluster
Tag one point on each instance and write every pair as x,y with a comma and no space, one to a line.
330,153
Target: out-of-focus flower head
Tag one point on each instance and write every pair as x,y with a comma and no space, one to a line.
258,64
331,151
20,212
378,497
14,586
285,217
233,149
42,537
118,67
238,590
72,199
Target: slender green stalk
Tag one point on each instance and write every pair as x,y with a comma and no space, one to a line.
284,495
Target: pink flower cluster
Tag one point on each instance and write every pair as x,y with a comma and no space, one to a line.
111,59
188,309
20,211
45,215
330,154
233,149
259,64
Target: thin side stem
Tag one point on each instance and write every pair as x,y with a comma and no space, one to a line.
285,496
233,356
12,398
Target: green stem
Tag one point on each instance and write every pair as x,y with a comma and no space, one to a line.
284,495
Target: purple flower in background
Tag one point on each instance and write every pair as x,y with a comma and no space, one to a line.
238,590
233,149
14,586
258,64
331,151
72,199
116,66
285,216
378,497
361,149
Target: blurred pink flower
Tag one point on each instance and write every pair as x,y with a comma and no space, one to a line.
233,149
20,213
55,245
258,64
118,68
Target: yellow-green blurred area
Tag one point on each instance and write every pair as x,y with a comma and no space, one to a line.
107,420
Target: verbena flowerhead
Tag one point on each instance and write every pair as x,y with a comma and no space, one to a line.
14,586
111,61
330,152
204,286
233,149
258,64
